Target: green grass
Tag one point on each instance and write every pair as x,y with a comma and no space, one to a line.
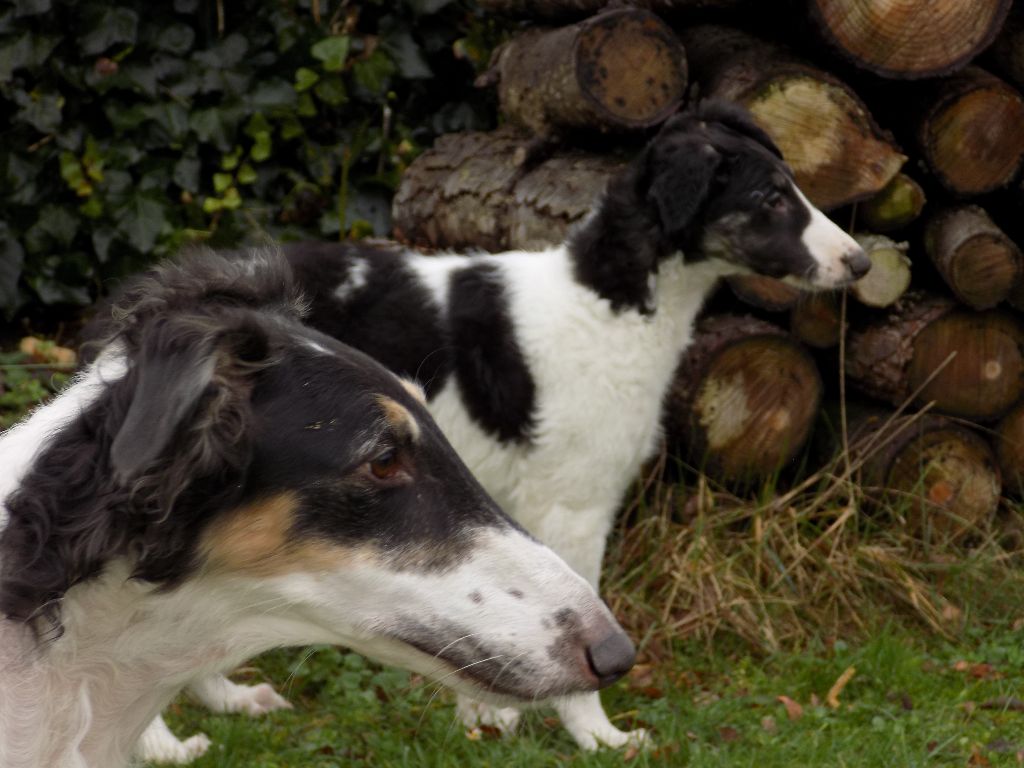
908,704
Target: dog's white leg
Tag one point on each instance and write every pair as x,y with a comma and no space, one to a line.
585,719
218,694
158,745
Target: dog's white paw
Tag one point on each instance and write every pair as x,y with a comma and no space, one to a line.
612,737
159,745
474,714
255,700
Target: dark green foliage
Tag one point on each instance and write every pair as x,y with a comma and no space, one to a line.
136,127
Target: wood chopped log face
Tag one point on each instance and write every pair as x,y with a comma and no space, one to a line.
813,122
984,378
744,399
972,137
909,38
894,207
766,293
817,320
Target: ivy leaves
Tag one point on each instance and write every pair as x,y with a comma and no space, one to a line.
137,127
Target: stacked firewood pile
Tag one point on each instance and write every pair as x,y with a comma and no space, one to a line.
904,120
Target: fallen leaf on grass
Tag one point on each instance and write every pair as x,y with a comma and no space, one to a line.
977,758
793,709
768,724
727,733
832,697
1004,703
979,671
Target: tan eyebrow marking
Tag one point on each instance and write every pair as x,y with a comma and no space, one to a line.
399,418
415,390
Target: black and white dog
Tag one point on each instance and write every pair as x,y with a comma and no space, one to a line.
547,370
222,480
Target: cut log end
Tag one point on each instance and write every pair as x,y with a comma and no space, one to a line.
909,38
889,277
943,476
983,379
973,141
744,401
631,67
896,206
816,320
825,134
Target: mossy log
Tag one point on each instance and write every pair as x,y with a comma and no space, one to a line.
1009,441
942,475
979,263
474,190
901,354
889,277
816,320
909,39
622,69
555,9
1007,52
744,399
896,206
762,292
826,133
970,131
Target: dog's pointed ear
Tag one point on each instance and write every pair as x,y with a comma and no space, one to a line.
177,366
681,177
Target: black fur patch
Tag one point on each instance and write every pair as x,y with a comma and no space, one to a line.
492,373
391,317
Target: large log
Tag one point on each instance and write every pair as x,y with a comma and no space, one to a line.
979,263
744,399
909,38
1009,441
970,131
889,276
939,473
826,133
898,355
474,190
553,9
623,69
1007,52
896,206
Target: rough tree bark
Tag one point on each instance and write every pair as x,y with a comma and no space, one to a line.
898,204
575,8
970,131
762,292
816,320
941,472
895,356
909,38
979,263
826,133
474,190
1007,52
622,69
889,277
743,400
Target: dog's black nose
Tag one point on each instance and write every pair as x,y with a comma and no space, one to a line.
611,657
857,262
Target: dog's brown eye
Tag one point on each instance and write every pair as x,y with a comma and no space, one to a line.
386,465
774,200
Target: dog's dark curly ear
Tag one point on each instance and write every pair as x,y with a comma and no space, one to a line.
681,176
180,363
737,119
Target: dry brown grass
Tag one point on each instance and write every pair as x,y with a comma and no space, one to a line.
823,560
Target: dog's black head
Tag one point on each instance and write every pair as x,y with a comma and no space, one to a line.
712,185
